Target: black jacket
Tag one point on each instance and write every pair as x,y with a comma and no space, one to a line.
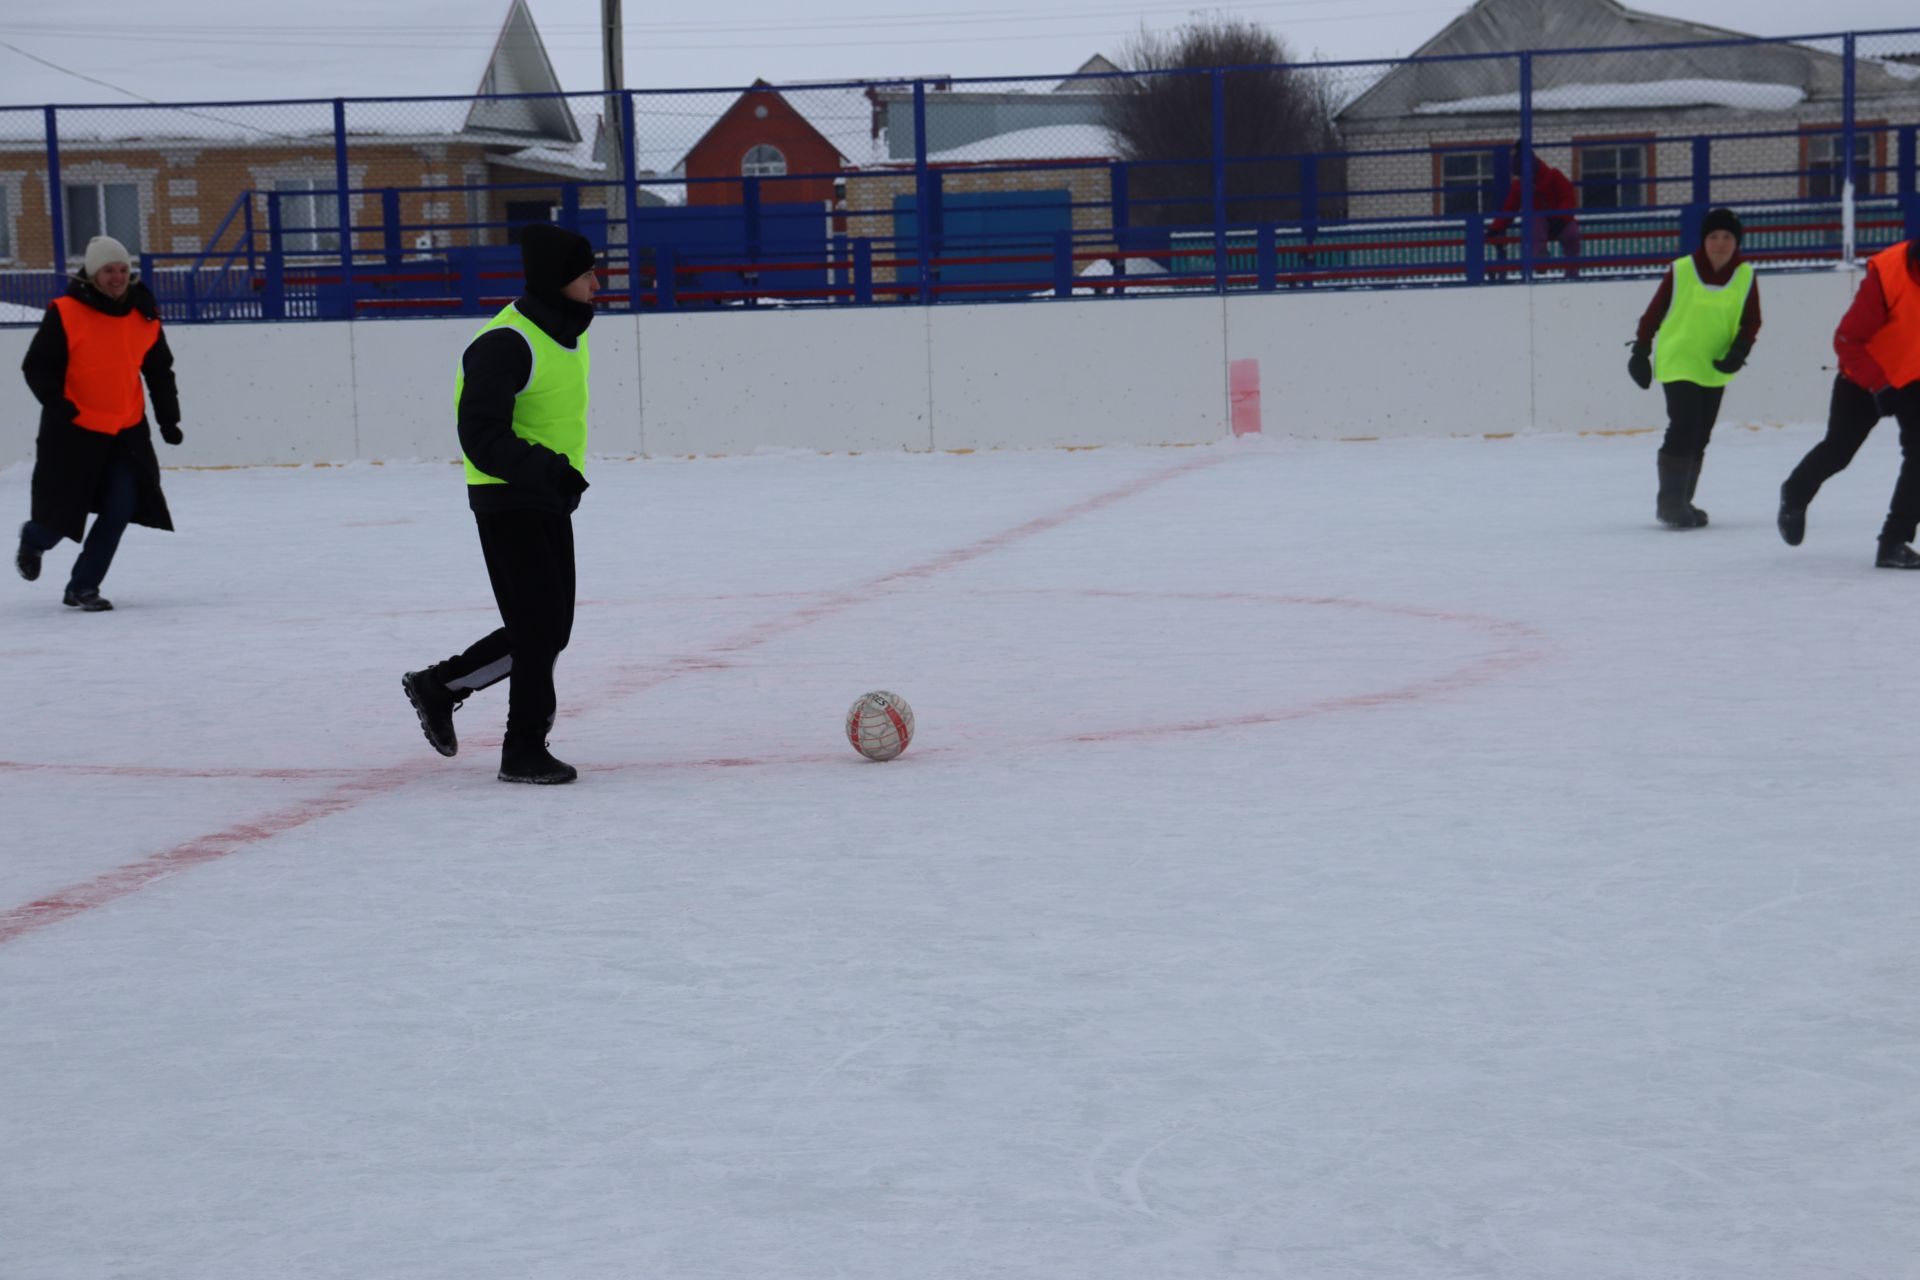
497,366
71,463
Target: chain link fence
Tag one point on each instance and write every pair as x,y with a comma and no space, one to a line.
1469,169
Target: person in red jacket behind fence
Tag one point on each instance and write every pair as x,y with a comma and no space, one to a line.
95,449
1553,204
1878,342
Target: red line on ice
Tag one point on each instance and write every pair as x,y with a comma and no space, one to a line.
64,904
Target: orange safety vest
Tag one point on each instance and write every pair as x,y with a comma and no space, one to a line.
1896,348
103,364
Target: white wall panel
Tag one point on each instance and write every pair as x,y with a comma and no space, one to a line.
1581,332
263,393
403,386
1095,371
1413,362
1086,372
831,380
19,411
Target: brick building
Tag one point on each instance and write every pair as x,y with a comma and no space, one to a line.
176,182
1618,124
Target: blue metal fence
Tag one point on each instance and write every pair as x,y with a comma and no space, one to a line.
1037,190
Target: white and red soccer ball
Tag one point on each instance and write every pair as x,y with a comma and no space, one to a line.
880,724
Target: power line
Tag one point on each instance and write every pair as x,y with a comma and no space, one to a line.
403,36
105,84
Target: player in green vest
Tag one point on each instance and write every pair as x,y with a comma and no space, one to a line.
1694,337
521,404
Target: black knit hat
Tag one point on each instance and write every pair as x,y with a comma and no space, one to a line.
552,257
1722,220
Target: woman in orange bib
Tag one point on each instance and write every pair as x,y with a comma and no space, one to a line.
95,451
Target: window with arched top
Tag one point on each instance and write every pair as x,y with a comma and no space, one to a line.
763,161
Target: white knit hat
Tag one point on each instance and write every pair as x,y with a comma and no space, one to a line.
102,250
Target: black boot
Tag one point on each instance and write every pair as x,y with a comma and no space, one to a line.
1693,482
1896,555
27,558
435,704
1792,520
87,600
1671,505
526,759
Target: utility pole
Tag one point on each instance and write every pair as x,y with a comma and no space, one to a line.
611,42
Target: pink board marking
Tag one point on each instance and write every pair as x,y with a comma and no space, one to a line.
1243,393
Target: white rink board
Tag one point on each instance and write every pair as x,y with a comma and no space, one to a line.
834,381
1430,362
1391,363
1094,372
19,414
1581,332
403,373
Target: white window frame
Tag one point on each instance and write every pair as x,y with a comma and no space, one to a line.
1637,183
1485,200
6,220
771,161
1823,163
73,199
309,222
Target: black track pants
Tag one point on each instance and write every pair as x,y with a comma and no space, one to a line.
1691,412
530,562
1850,420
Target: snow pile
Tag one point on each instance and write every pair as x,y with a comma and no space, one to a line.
1649,93
1046,142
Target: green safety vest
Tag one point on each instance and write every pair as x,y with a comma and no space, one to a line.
551,409
1702,322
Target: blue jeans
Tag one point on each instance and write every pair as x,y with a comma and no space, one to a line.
96,554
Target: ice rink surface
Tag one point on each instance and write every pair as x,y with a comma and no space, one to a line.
1317,861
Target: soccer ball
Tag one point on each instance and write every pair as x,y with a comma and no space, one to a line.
880,725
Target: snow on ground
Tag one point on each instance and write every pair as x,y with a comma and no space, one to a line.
1372,860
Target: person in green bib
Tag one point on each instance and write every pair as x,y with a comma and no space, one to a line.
1694,336
521,404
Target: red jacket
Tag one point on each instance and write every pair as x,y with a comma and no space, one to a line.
1552,193
1865,318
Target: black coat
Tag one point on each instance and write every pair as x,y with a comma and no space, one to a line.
71,463
497,366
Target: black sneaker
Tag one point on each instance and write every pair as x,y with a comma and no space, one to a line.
435,704
27,558
1896,557
1792,521
88,601
528,760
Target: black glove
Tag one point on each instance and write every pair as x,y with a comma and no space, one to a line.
1640,365
170,432
1736,356
1883,400
566,481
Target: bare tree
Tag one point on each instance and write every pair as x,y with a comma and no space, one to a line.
1162,120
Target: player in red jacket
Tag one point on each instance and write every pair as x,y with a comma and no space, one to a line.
1878,343
1553,202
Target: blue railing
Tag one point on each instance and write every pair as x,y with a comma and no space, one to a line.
1393,196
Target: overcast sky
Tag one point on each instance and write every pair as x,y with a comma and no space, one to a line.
200,50
728,42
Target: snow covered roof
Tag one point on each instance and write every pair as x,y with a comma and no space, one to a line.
1047,142
668,126
1644,94
1622,45
842,114
200,50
